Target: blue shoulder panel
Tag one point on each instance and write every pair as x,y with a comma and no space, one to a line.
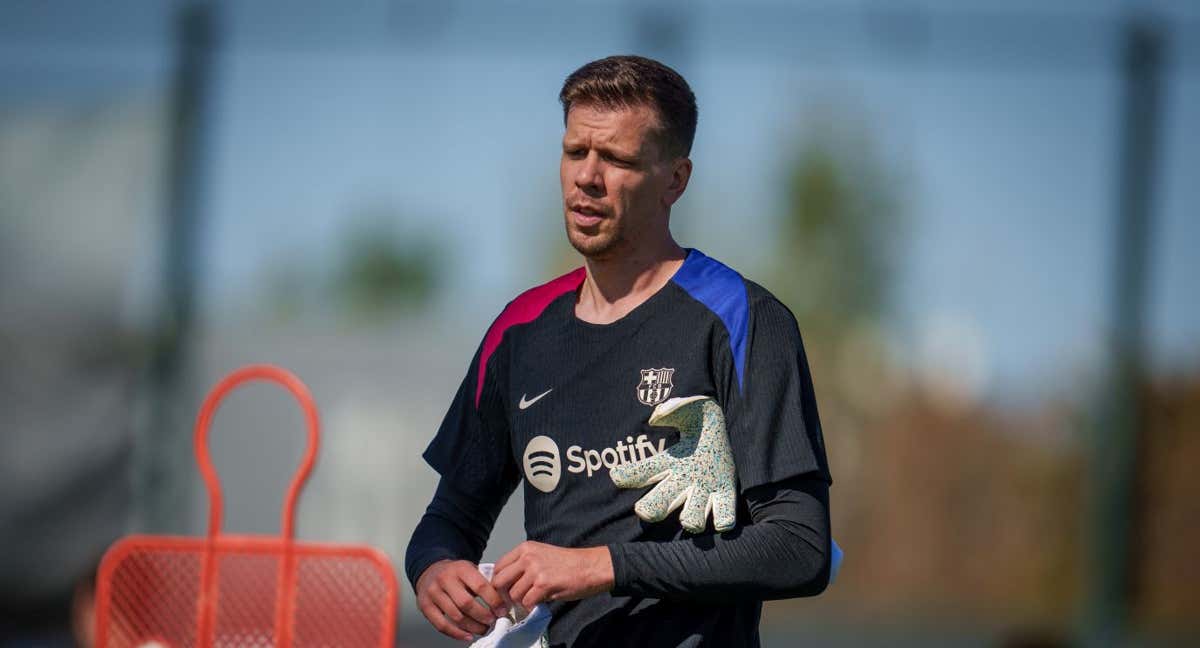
723,291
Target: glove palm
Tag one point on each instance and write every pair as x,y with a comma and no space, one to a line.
697,472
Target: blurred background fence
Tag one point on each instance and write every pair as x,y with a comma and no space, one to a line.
983,214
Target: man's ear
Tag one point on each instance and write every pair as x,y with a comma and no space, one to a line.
680,174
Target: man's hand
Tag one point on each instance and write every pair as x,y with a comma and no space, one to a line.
446,593
534,572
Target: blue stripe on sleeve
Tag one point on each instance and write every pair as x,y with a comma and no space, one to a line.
723,291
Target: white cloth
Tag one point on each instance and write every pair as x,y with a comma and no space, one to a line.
514,630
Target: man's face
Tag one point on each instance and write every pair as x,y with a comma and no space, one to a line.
616,182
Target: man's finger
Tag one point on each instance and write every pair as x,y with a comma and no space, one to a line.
506,560
466,603
457,617
503,579
479,585
438,620
518,590
534,596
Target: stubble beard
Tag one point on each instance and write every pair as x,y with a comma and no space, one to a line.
597,247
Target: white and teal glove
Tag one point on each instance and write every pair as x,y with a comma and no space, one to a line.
696,473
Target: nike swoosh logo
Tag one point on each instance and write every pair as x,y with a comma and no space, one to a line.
526,403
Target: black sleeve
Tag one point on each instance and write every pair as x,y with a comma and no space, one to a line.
455,526
784,553
471,451
770,406
472,448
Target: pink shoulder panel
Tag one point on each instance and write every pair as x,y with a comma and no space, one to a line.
524,309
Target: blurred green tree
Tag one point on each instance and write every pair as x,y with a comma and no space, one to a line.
839,230
382,271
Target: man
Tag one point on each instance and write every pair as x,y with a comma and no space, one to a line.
562,389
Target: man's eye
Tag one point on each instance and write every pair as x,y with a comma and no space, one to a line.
574,152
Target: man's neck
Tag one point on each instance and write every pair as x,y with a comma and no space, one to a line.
617,285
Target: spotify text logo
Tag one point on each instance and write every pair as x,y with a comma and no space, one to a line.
543,463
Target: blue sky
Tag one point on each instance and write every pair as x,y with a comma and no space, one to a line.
1004,138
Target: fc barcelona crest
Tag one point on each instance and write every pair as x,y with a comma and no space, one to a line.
655,386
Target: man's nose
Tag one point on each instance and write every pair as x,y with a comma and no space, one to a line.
588,176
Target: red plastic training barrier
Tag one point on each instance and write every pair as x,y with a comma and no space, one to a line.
241,590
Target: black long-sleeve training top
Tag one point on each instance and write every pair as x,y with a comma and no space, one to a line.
559,401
